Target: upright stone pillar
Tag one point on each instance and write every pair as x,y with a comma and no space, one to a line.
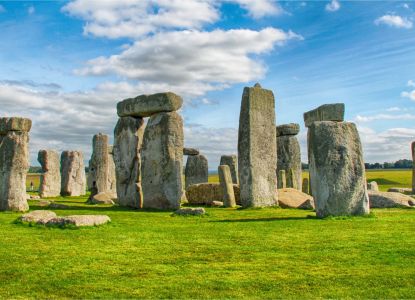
196,170
337,172
257,153
99,163
232,162
306,185
282,180
128,138
50,180
112,180
289,154
14,163
73,179
226,186
413,167
162,161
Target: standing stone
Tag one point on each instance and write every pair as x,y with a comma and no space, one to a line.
14,163
337,171
128,137
99,163
289,154
73,179
306,185
413,166
50,180
226,184
257,153
196,170
112,181
232,162
162,161
282,181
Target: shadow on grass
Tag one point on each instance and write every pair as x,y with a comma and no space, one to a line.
308,217
96,208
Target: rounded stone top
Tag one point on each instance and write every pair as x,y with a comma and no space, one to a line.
257,85
288,129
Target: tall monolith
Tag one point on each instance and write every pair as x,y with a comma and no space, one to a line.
50,179
73,178
196,170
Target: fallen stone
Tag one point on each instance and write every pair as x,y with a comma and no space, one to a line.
400,190
34,197
389,200
232,162
337,171
148,105
293,198
103,198
217,204
196,170
190,211
225,181
288,129
14,124
326,112
257,153
373,186
190,151
43,203
206,193
38,216
50,180
54,205
162,161
79,220
73,174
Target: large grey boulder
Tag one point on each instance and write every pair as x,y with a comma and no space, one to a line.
196,170
337,173
38,216
257,153
226,185
326,112
389,199
73,179
288,129
232,162
400,190
373,186
50,180
14,163
190,211
128,138
293,198
162,161
148,105
79,220
289,159
190,151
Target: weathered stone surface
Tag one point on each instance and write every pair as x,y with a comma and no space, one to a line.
257,153
55,205
73,179
112,180
162,161
103,198
216,204
306,186
196,170
232,162
326,112
373,186
289,159
389,199
14,163
79,220
413,166
148,105
400,190
337,173
50,180
282,179
288,129
190,151
34,197
225,181
293,198
99,162
128,137
206,193
190,211
38,216
14,124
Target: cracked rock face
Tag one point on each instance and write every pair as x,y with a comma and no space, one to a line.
196,170
14,163
73,173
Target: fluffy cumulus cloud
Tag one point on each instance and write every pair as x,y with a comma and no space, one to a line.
409,94
394,21
334,5
185,59
260,8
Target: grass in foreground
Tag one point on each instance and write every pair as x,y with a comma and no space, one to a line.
252,253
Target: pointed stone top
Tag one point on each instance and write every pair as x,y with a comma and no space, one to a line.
257,85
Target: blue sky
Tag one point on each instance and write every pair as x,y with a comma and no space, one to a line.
65,64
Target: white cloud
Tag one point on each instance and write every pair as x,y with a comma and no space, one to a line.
260,8
192,62
334,5
394,21
406,5
411,83
410,95
395,108
377,117
31,10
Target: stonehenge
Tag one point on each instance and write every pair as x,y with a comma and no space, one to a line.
73,178
225,180
281,179
14,163
232,162
413,166
337,173
257,153
50,180
289,154
196,170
